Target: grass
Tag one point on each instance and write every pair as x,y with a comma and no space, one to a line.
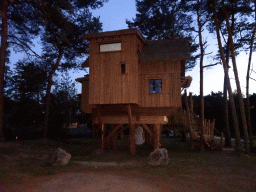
24,160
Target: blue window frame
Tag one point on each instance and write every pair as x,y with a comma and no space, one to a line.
155,85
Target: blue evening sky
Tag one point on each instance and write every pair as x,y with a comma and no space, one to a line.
113,16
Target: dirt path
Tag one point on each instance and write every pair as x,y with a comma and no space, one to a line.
21,170
107,181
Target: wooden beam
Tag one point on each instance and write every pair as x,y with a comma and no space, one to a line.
113,138
113,131
133,120
102,143
147,129
132,146
156,136
102,128
122,129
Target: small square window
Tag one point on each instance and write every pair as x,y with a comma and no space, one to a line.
155,85
123,68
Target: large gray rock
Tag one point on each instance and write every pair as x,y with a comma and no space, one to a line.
59,158
158,157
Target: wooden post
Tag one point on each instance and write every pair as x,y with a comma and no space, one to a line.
102,128
156,136
147,133
191,106
132,146
113,138
102,143
147,138
192,144
122,133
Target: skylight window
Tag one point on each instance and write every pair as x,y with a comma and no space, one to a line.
110,47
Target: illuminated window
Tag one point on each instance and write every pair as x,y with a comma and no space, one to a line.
110,47
155,85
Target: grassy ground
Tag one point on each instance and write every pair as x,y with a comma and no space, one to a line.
21,161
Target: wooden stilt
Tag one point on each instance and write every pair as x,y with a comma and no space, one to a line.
121,135
147,133
102,128
156,136
147,138
132,146
192,136
114,131
102,143
113,138
147,129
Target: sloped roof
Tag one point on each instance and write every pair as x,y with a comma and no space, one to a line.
165,50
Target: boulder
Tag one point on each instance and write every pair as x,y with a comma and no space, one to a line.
158,157
59,158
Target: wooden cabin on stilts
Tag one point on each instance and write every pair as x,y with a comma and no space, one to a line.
133,82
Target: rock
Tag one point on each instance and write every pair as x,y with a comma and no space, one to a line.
59,158
158,157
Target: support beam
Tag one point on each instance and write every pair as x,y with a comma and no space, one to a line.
156,136
147,138
122,129
113,131
102,128
113,138
135,120
132,146
147,129
102,142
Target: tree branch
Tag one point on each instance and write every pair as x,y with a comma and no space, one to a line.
23,45
252,79
211,65
208,53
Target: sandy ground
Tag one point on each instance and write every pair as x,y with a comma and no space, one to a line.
81,179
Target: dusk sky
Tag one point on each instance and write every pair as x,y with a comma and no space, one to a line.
113,16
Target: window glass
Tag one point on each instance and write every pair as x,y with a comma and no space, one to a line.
122,68
155,86
110,47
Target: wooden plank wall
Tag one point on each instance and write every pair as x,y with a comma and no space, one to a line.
84,106
107,84
169,72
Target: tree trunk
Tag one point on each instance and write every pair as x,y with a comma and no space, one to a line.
228,142
225,67
248,114
201,81
2,61
240,97
48,93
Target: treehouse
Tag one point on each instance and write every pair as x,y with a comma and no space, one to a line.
133,82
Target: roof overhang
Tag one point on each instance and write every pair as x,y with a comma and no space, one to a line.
115,33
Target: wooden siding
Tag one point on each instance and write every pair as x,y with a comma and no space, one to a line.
169,72
107,84
84,106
